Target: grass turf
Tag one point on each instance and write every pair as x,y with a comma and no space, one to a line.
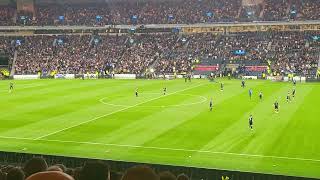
103,119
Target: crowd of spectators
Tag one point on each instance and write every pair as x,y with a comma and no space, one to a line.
293,53
141,51
276,10
67,54
253,45
162,12
38,169
79,54
184,51
163,52
6,15
306,9
287,52
168,12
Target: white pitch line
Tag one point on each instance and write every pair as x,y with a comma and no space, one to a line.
108,114
163,148
25,87
204,99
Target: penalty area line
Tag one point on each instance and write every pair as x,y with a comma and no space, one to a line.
108,114
163,148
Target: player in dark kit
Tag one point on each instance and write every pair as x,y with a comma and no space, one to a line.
164,91
293,92
251,122
10,87
276,106
211,104
288,97
243,84
221,86
260,95
137,92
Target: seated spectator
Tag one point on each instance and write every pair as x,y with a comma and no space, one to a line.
54,168
182,177
35,165
77,172
96,170
50,175
15,174
166,175
62,167
115,175
140,172
3,175
70,172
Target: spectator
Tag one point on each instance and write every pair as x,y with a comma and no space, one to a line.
54,168
166,175
77,173
3,175
70,172
96,170
115,175
140,172
62,167
50,175
35,165
15,174
182,177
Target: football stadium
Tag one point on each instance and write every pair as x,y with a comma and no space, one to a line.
159,89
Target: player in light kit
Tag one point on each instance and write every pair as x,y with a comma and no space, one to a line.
250,93
251,122
164,91
211,104
10,87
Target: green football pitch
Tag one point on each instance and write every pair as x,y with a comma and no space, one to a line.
103,119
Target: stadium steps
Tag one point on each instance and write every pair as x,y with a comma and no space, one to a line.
269,45
164,53
154,62
124,50
14,18
15,55
239,12
307,45
262,10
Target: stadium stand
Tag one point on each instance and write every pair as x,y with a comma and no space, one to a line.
6,15
162,12
164,52
287,52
